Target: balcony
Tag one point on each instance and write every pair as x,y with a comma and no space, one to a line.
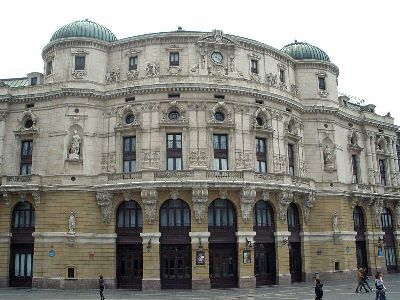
174,174
225,174
124,176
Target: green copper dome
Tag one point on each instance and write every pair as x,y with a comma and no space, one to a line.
84,28
300,51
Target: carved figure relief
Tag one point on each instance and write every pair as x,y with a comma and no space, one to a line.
247,197
243,159
150,159
279,163
335,222
174,70
36,198
149,197
271,79
198,157
152,69
132,75
381,144
292,126
104,200
294,90
285,197
329,159
377,211
79,74
309,201
71,222
199,197
74,150
113,76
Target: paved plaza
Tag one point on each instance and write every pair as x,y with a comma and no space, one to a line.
332,290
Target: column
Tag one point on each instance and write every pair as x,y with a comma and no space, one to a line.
393,158
392,172
2,133
282,257
245,240
374,162
200,260
151,261
370,166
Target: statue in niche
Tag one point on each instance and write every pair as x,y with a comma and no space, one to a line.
329,159
335,224
71,223
75,146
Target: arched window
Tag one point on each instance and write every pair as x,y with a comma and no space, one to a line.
129,216
23,217
221,214
293,219
386,218
263,215
358,218
174,213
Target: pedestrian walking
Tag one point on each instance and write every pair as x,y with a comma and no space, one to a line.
318,290
366,278
380,287
101,287
360,278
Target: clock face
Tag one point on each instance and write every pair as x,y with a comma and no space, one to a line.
217,57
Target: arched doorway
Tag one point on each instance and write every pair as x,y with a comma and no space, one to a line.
264,246
361,248
175,253
22,245
389,241
129,260
222,247
295,253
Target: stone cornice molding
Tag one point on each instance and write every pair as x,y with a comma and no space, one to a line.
315,64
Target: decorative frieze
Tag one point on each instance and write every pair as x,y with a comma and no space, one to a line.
302,168
174,70
294,90
132,75
113,76
199,198
79,74
108,162
104,200
285,197
243,159
198,157
149,198
279,163
152,69
247,196
150,159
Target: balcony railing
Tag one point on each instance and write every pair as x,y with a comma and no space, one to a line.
173,174
124,176
225,174
20,178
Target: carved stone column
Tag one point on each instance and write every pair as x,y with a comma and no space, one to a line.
104,200
200,274
247,196
374,161
284,199
377,212
370,166
309,200
393,178
149,197
3,116
245,240
396,161
151,260
199,198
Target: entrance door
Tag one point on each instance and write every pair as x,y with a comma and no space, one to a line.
21,265
295,262
129,266
264,263
223,265
361,253
176,267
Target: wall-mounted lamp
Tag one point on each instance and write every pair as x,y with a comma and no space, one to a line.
285,241
148,246
249,244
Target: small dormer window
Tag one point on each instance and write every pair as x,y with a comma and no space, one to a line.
34,81
49,68
133,63
79,63
321,83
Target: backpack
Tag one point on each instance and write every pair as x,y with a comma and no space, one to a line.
378,284
318,290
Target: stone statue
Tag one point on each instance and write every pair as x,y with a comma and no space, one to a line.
329,160
75,146
335,224
71,223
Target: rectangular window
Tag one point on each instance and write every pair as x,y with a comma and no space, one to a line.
129,154
26,158
321,83
71,272
261,154
174,59
174,151
254,66
79,62
354,165
49,68
133,63
282,75
291,159
382,171
34,81
220,142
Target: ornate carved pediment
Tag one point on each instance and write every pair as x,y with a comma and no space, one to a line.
222,108
27,125
199,198
174,114
127,117
104,200
247,197
217,37
262,119
149,197
284,199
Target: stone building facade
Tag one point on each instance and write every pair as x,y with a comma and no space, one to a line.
190,160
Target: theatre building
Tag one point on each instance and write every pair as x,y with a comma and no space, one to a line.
190,160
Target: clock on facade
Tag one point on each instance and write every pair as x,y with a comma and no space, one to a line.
217,57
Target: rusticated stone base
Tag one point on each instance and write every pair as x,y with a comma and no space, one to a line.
151,284
284,279
201,284
65,283
247,282
3,282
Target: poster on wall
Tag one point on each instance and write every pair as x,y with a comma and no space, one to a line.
200,257
246,256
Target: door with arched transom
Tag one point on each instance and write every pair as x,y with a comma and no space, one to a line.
295,251
361,243
389,240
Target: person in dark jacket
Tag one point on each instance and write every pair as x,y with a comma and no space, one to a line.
318,289
101,287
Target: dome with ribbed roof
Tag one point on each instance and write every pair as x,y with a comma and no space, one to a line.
84,28
301,50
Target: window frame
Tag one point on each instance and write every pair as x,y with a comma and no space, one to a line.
221,152
26,159
49,67
174,59
261,156
78,59
133,62
174,151
355,176
129,156
322,83
291,153
382,164
254,68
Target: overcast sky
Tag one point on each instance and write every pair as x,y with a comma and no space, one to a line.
360,37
